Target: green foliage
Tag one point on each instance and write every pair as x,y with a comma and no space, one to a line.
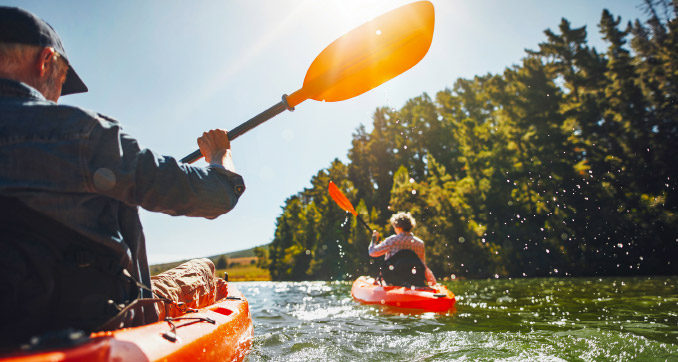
221,263
262,257
561,165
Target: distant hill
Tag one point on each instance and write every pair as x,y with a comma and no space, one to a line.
246,253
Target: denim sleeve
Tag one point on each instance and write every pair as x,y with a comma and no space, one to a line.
116,166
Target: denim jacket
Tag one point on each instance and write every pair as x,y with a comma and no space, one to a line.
80,168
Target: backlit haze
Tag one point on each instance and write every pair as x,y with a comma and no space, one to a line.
169,70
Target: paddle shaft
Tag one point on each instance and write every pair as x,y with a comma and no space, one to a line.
363,222
246,126
358,61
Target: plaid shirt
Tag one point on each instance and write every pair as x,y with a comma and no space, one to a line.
396,243
402,241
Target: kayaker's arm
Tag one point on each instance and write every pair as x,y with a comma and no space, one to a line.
375,237
216,148
430,278
137,176
380,249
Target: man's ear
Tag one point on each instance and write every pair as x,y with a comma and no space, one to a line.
45,58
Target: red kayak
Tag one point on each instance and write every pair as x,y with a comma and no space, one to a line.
432,299
220,332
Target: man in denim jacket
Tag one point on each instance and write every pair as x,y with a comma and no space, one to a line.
72,170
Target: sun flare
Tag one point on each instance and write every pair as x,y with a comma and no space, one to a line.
351,13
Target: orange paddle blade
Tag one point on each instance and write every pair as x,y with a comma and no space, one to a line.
369,55
340,198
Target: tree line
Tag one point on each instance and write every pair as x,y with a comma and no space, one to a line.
562,165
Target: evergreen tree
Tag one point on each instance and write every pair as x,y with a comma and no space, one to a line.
561,165
222,262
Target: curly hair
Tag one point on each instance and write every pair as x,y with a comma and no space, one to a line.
403,220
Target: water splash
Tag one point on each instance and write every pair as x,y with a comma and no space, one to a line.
497,319
346,219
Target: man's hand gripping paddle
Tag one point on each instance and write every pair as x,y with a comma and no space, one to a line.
360,60
343,202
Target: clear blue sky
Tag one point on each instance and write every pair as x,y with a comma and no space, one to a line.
168,70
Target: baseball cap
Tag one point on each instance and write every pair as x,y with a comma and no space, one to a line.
20,26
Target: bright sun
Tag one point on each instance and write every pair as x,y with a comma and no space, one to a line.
349,14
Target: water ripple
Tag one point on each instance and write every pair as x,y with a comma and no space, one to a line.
504,320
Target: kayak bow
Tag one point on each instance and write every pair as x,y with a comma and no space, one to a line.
438,298
220,332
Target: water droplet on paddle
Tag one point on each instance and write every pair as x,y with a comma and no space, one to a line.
390,267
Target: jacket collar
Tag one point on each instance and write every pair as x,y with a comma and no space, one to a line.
15,89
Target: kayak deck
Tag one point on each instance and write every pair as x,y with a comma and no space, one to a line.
219,332
438,298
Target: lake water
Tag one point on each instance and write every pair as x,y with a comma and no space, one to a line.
512,320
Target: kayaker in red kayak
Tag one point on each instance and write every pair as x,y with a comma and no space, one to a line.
72,248
404,254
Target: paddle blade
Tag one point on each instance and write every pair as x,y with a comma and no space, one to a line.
369,55
340,198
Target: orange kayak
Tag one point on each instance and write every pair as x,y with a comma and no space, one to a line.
432,299
220,332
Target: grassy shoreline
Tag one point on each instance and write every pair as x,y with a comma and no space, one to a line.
239,270
248,273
